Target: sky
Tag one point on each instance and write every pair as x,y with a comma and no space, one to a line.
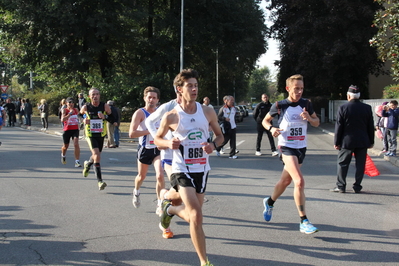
272,52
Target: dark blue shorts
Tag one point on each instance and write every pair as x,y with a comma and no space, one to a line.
299,153
147,156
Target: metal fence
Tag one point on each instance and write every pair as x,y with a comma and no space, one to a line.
334,105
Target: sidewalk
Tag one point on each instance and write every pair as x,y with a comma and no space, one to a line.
327,128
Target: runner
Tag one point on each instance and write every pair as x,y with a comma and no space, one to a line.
295,113
152,123
189,122
147,152
96,114
70,120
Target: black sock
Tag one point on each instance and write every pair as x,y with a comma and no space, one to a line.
270,202
97,171
303,218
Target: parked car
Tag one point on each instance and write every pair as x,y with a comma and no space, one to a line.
244,109
254,105
239,117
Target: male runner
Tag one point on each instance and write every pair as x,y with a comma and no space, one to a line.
147,152
152,124
96,114
189,123
295,113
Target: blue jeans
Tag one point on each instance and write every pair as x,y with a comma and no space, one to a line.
116,135
392,133
28,120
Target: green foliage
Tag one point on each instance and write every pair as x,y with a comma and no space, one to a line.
327,42
122,46
391,92
387,39
259,83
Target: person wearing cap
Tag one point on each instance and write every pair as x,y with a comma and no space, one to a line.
70,120
96,114
111,126
294,113
354,134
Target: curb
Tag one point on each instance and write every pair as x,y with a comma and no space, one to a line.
392,160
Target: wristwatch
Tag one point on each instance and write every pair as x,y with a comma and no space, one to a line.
270,128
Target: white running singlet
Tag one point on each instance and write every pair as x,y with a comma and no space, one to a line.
192,130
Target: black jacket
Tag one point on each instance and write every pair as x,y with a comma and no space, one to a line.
354,127
261,111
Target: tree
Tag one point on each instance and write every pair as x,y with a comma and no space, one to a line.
259,83
387,38
122,46
327,42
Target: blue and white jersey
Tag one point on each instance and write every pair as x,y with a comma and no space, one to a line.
146,141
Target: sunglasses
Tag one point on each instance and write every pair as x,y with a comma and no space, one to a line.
70,102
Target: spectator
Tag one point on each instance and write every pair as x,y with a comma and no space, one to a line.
28,110
354,134
259,113
391,111
43,108
226,115
10,109
111,127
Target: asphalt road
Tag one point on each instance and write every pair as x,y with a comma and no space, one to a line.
51,215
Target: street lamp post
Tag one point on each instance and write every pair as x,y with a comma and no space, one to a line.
181,35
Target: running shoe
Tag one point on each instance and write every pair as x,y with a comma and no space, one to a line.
158,211
275,153
233,157
166,233
267,213
258,153
165,218
86,168
217,153
101,185
63,159
221,151
77,164
207,263
136,200
307,228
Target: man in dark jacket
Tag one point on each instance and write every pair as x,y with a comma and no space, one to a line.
259,113
10,109
354,133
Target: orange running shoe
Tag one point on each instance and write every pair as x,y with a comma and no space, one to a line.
166,233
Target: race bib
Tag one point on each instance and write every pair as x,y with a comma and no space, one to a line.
295,131
96,125
194,154
73,120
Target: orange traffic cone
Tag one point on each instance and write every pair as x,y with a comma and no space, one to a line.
370,169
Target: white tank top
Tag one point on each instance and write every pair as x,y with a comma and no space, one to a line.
146,141
192,130
295,128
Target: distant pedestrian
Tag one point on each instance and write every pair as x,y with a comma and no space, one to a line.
354,134
111,126
18,111
10,110
259,114
28,110
207,102
43,108
3,117
382,123
226,116
117,113
392,113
